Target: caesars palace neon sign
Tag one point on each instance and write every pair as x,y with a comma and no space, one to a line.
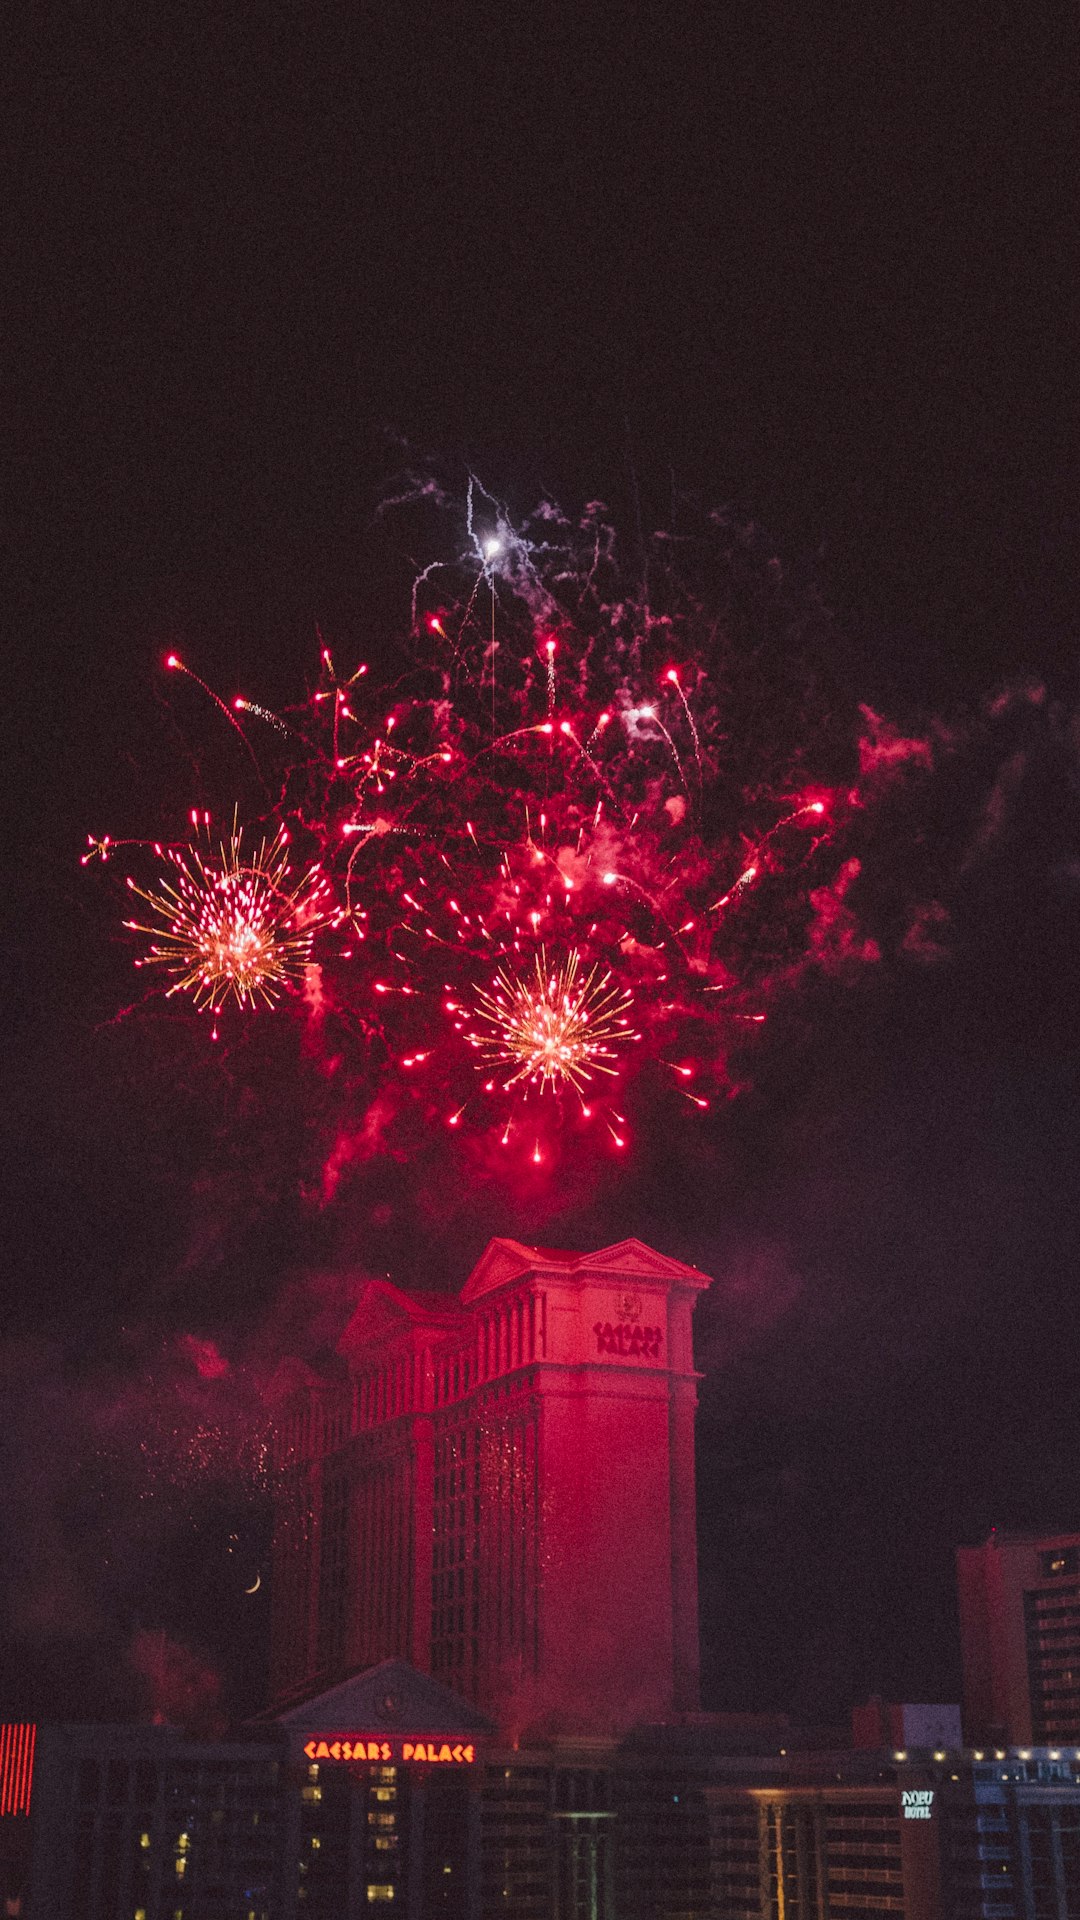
360,1747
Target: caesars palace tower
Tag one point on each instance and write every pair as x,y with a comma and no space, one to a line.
498,1489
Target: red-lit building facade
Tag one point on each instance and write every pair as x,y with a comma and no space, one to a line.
499,1489
1019,1598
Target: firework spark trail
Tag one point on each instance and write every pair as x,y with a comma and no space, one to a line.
745,879
567,730
176,665
261,713
814,809
636,714
673,680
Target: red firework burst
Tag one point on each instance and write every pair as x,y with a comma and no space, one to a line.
563,769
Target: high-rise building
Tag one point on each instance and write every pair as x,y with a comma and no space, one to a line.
499,1488
937,1835
1019,1600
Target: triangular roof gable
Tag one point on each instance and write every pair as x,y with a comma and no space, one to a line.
390,1698
633,1256
384,1311
504,1260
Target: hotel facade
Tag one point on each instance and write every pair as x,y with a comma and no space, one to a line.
485,1670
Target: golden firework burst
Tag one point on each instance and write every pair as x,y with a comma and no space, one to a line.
555,1026
230,924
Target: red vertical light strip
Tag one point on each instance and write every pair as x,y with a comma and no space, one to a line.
17,1739
31,1741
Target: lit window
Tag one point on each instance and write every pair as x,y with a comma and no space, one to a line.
144,1841
1058,1562
386,1793
313,1773
316,1843
384,1892
384,1842
311,1794
140,1913
184,1842
181,1867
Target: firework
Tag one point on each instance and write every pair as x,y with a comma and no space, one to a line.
554,1027
227,924
604,860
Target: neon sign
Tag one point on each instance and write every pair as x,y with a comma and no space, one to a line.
361,1746
917,1802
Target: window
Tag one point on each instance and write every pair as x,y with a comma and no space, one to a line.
1058,1562
383,1892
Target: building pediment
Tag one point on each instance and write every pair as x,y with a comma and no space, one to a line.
388,1699
384,1313
506,1260
501,1262
633,1256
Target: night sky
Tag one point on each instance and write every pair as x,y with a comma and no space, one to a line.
814,264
